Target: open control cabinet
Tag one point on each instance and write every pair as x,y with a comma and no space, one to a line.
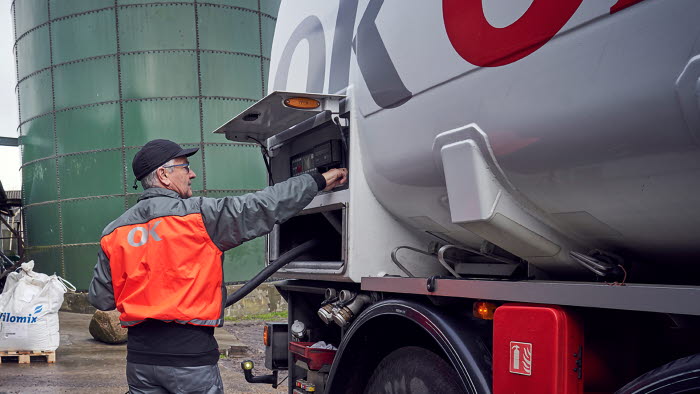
317,150
327,224
301,141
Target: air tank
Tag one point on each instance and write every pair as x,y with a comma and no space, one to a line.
97,79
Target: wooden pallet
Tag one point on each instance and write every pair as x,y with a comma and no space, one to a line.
26,357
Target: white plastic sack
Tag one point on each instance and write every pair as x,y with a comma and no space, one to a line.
29,307
323,345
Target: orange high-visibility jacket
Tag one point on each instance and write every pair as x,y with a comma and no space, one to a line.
162,259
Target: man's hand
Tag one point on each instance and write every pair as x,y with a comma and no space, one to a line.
335,178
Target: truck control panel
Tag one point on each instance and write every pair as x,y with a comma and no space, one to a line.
301,141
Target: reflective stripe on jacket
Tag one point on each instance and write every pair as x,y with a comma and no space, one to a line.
162,259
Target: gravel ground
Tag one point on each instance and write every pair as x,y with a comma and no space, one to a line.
250,334
85,366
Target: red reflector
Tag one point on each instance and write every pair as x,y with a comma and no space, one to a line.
536,349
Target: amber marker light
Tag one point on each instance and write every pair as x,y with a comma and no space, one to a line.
302,103
266,335
484,310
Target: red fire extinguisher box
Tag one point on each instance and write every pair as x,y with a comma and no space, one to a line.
536,349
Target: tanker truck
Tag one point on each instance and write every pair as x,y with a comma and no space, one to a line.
523,207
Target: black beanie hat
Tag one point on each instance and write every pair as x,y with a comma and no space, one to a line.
156,153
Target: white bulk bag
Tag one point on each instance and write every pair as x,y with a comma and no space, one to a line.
29,307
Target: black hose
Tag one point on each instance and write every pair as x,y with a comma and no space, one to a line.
266,159
343,137
283,260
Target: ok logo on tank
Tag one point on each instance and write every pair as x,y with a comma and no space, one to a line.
140,235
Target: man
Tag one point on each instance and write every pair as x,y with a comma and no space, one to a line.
160,264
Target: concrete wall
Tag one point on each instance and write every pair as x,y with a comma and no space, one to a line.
264,299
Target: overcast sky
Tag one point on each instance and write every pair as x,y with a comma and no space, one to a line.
9,156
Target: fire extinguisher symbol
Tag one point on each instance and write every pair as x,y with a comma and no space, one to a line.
521,358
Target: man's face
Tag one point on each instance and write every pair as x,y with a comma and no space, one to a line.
181,177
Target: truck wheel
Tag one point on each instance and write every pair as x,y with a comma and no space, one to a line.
413,370
679,376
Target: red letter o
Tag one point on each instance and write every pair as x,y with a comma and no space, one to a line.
483,45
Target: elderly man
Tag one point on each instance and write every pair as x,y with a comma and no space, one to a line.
160,265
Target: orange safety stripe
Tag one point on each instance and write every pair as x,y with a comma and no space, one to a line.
165,269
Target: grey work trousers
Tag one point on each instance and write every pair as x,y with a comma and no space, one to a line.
152,379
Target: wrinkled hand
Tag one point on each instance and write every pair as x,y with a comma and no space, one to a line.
335,178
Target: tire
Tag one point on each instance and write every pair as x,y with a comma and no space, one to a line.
414,370
679,376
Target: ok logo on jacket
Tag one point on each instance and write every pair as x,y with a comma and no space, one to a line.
144,234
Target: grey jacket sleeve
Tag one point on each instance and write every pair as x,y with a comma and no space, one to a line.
230,221
101,292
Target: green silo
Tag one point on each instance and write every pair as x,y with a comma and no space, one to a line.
99,78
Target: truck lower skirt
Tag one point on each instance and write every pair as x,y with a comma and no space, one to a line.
634,297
